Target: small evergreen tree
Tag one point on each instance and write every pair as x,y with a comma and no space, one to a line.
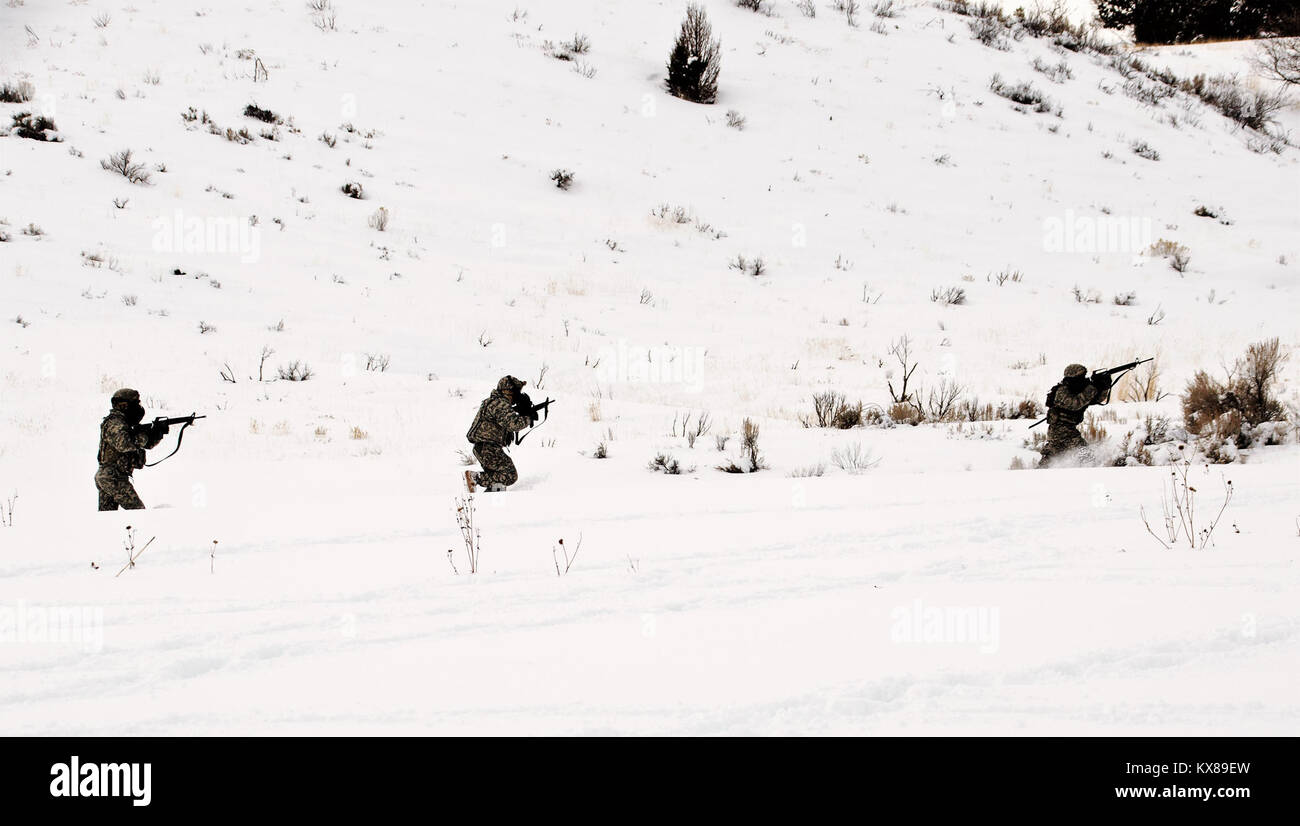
695,60
1184,21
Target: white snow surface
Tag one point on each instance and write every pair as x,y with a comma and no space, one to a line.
702,604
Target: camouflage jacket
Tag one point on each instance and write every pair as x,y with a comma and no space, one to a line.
1065,407
122,447
496,421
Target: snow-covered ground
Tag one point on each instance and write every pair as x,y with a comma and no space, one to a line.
938,592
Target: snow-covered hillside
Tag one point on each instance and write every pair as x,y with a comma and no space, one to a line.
874,167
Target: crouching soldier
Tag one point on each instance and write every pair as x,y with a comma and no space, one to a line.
122,444
494,428
1066,403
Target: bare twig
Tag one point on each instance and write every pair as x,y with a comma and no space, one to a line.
1142,511
568,560
132,559
7,511
469,532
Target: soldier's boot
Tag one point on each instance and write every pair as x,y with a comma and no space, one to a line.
469,480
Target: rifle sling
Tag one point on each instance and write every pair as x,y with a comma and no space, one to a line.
180,435
546,414
1114,380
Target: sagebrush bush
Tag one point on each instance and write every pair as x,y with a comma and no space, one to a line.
832,409
295,371
1144,150
905,413
1057,74
665,463
971,410
35,127
580,44
1247,396
991,32
252,110
563,178
749,445
817,469
1204,400
122,164
854,458
751,461
1256,375
695,60
1023,93
19,92
1179,256
948,296
1042,22
1255,108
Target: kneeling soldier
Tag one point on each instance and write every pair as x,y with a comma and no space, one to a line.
494,428
1066,403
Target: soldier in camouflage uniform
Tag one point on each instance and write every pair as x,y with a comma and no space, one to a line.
1066,403
494,428
121,451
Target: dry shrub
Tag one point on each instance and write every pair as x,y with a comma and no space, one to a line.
665,463
1256,373
942,401
1223,413
1204,400
831,409
1248,390
905,413
971,410
1093,431
1141,385
854,458
749,442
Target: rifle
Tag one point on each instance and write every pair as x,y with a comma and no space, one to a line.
524,407
163,422
1113,373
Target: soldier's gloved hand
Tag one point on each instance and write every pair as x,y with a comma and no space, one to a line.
1103,382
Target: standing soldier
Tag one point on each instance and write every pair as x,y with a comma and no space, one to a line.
122,444
494,428
1065,405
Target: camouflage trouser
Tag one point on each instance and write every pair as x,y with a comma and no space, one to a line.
115,490
498,470
1064,444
